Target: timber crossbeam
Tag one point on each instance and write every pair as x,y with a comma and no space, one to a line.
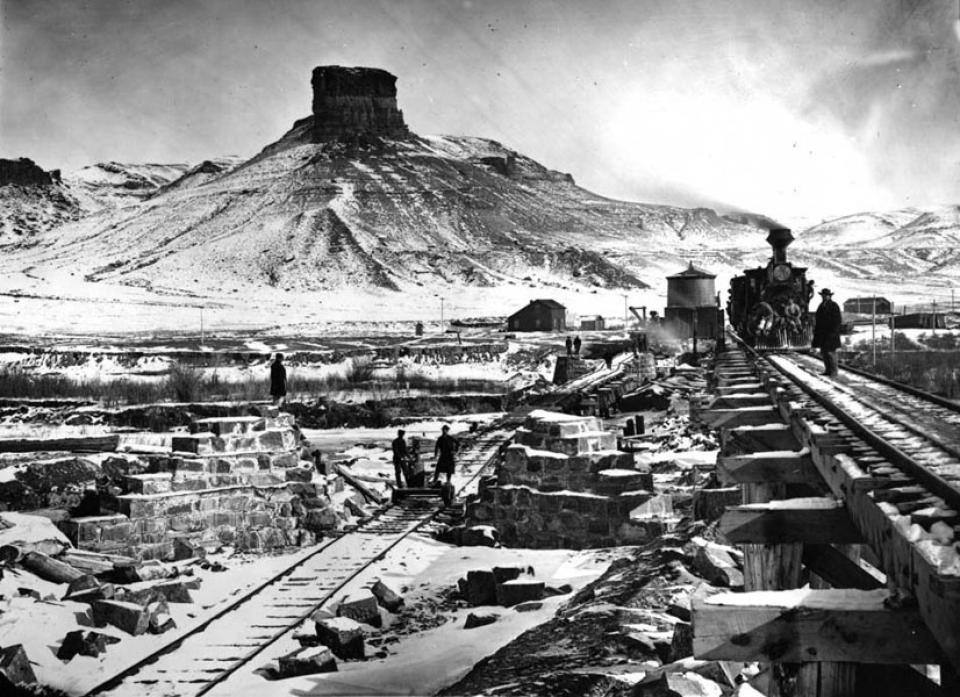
872,504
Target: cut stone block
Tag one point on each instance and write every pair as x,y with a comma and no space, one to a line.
480,536
506,573
160,619
80,643
511,593
616,481
173,591
481,587
343,636
130,617
15,667
85,583
361,607
717,566
307,660
159,483
480,619
389,599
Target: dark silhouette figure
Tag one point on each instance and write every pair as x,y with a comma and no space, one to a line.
399,446
577,344
445,449
278,381
569,344
415,473
826,331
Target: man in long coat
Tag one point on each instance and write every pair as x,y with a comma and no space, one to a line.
826,331
278,381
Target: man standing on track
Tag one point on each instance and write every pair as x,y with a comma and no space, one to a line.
826,331
445,450
399,446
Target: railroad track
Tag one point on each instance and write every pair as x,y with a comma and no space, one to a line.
890,454
917,434
202,658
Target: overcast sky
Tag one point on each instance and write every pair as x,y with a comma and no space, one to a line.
797,109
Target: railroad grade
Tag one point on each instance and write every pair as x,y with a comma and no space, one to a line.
205,656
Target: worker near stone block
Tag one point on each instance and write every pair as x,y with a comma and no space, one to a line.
399,447
278,381
445,451
826,331
569,343
576,345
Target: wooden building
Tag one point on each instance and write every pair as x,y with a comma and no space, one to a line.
864,306
918,320
596,323
542,315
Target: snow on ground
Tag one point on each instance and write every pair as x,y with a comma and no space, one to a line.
20,614
425,662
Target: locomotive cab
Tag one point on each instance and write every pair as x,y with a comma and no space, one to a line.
769,306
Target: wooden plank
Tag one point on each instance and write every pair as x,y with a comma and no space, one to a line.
809,626
837,569
763,524
938,597
736,400
786,467
365,491
738,389
742,416
76,445
753,439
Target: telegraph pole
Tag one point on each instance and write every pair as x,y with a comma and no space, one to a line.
874,327
201,326
625,327
893,335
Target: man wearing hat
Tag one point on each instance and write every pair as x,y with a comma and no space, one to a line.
826,331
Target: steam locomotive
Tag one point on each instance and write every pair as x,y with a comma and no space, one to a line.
769,306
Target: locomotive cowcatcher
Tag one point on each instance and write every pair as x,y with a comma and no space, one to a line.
769,306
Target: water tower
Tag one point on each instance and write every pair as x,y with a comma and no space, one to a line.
692,309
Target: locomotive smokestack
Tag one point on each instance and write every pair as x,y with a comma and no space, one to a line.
780,238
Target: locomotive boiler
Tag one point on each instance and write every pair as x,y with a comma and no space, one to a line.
769,306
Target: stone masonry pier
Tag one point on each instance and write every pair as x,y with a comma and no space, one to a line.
564,483
233,481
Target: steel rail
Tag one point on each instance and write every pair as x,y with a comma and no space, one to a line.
117,679
916,430
903,387
930,480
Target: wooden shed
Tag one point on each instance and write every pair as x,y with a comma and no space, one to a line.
542,315
864,306
595,323
919,320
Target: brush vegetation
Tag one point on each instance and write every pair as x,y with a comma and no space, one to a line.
931,362
186,384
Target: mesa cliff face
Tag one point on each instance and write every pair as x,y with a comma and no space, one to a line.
25,172
351,199
355,102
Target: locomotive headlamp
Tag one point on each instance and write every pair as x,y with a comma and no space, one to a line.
782,273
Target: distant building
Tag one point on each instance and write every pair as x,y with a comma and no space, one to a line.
542,315
864,306
590,324
919,320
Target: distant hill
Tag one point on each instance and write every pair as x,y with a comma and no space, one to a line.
350,201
